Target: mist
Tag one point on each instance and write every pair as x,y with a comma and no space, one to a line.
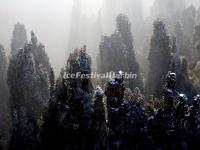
51,21
99,74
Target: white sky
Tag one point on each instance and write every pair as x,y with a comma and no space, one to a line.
147,4
96,4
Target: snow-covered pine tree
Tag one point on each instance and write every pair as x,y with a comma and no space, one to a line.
70,107
19,38
125,118
195,65
99,124
4,107
28,80
159,59
22,82
188,19
119,48
43,68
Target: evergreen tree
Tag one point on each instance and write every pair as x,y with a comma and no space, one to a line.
183,43
184,83
71,108
188,19
28,80
159,59
52,81
179,65
19,38
125,118
43,67
195,65
99,119
196,41
24,100
4,107
51,134
119,48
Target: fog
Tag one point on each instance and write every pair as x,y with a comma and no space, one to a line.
49,101
51,21
48,19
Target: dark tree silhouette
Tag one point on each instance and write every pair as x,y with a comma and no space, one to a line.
24,100
119,48
28,80
4,96
19,38
70,109
125,119
159,59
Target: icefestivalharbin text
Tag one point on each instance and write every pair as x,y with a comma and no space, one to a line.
95,75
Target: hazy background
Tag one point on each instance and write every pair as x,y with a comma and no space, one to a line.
50,20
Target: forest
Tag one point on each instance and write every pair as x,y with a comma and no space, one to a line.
41,109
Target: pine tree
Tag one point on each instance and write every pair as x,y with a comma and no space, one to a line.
70,108
159,59
179,34
119,48
184,83
125,118
43,67
4,96
99,125
28,80
52,81
196,41
19,38
188,19
52,136
24,100
195,65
